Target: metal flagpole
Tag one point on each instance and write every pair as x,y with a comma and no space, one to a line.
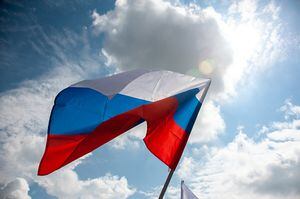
181,194
164,189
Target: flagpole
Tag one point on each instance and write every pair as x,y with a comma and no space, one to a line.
164,189
181,195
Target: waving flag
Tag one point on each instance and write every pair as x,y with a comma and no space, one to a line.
186,193
90,113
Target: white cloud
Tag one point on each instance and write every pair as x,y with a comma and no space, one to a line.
229,47
23,122
254,30
149,34
171,193
209,123
187,167
157,34
245,168
25,112
67,185
290,110
17,189
131,139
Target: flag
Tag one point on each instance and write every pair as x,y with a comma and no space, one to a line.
186,193
90,113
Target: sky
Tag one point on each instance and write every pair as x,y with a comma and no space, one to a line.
246,139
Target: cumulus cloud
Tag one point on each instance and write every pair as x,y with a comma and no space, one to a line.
191,39
246,168
17,189
159,35
67,185
227,47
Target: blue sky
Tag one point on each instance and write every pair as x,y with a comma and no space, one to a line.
247,132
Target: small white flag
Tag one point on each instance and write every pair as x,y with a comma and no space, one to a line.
186,193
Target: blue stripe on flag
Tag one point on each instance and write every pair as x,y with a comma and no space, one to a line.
187,110
81,110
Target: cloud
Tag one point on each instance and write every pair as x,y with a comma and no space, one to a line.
23,121
255,31
67,185
230,47
157,34
17,189
209,123
290,110
268,167
131,139
227,47
283,180
160,35
149,34
171,193
25,113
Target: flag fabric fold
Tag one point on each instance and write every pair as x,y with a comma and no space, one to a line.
90,113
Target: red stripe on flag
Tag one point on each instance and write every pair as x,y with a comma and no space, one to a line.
164,138
167,142
58,149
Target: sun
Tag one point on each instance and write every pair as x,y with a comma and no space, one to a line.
244,40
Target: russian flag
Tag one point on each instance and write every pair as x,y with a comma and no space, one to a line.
90,113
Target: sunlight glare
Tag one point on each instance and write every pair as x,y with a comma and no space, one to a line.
206,67
244,39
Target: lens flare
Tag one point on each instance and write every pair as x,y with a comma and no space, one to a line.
206,67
